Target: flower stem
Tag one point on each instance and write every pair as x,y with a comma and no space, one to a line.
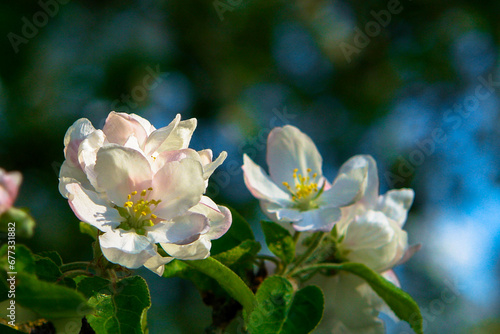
82,265
307,254
316,267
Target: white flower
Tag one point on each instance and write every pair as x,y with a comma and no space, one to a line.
142,187
371,230
296,190
9,187
82,141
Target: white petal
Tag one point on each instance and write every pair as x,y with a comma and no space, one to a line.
206,156
87,155
375,240
261,186
198,250
348,187
288,148
159,137
120,126
126,248
371,230
180,230
219,217
396,203
144,123
180,136
74,136
177,155
209,168
69,174
157,264
91,208
179,185
321,219
120,171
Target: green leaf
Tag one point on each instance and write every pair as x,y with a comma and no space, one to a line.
279,241
227,279
306,311
88,229
54,256
24,223
239,231
119,307
46,269
247,250
91,286
281,311
399,301
24,261
49,300
273,298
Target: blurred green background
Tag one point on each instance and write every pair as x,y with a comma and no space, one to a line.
414,83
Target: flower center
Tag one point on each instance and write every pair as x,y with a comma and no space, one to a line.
138,210
305,189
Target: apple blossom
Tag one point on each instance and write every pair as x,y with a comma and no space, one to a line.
82,141
371,229
9,187
142,187
296,190
370,232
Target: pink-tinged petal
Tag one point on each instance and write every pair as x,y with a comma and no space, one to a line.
390,275
197,250
179,185
178,138
209,168
288,148
219,217
396,203
348,187
126,248
180,230
9,188
68,175
409,252
91,208
157,264
73,137
120,126
261,186
160,136
132,142
321,219
144,123
169,156
206,156
120,171
87,155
